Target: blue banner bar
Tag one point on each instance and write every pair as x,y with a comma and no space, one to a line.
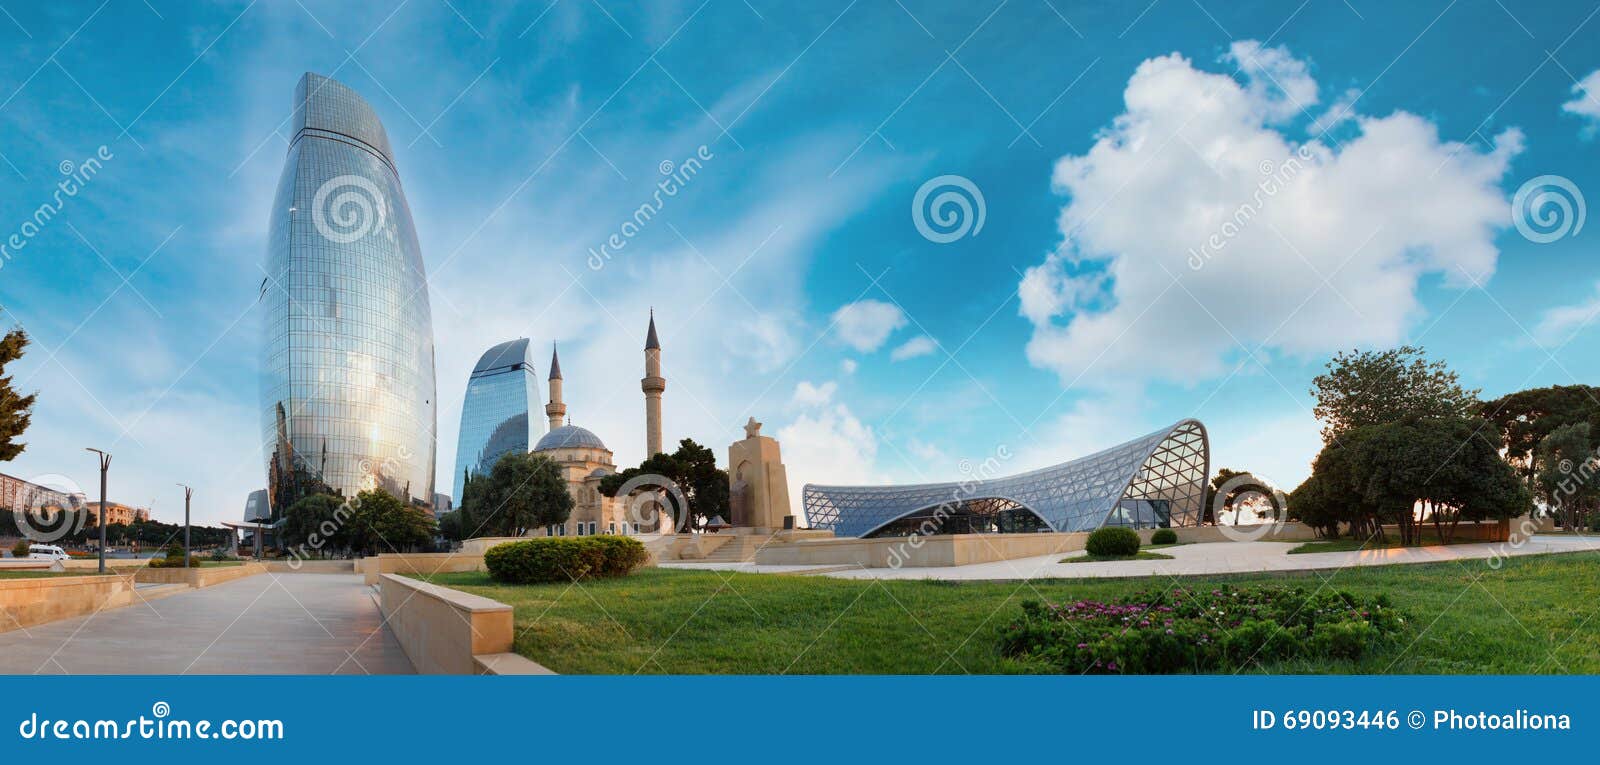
800,719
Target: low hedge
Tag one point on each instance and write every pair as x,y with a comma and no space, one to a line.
1164,537
1223,630
564,559
1113,540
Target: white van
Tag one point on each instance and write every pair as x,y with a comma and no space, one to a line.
47,552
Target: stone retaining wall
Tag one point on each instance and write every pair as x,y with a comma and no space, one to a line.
293,566
480,545
418,563
449,632
26,602
204,576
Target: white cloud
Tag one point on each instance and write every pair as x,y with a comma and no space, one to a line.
847,366
1193,226
826,444
1339,112
807,394
931,456
1559,324
865,325
1279,85
1090,425
1586,102
921,345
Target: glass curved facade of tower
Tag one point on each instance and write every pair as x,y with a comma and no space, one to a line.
347,386
494,414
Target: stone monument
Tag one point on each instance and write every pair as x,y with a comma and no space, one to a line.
758,485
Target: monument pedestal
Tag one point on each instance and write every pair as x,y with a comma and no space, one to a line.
758,484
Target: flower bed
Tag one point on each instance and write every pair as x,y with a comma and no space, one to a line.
1220,630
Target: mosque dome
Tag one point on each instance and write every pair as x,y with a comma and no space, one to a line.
569,437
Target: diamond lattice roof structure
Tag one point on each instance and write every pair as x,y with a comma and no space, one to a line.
1156,480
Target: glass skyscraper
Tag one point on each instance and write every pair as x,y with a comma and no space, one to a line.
494,414
348,395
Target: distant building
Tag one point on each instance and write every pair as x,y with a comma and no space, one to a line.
118,513
1156,481
442,504
256,508
494,413
20,494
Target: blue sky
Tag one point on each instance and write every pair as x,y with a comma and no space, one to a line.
1374,149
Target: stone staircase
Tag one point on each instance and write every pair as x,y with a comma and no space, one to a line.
738,549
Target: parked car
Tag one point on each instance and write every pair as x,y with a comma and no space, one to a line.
47,552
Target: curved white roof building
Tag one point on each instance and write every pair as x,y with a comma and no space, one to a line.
1157,480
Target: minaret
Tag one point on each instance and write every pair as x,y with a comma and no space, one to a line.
653,386
556,410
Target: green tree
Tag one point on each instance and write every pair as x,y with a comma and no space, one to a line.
1564,479
1404,472
522,492
472,507
1363,388
16,410
452,526
380,523
1525,418
316,524
1318,504
693,469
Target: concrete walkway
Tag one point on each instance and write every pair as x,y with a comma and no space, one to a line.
268,624
1187,560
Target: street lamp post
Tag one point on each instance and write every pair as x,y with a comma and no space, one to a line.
188,494
105,464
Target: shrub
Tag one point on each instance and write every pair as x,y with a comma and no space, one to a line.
622,554
1225,630
21,548
1164,537
564,559
1113,540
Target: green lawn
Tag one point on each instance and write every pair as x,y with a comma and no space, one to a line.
700,621
1141,555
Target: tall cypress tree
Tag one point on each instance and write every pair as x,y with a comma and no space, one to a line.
15,410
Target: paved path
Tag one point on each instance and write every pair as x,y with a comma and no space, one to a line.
1190,559
268,624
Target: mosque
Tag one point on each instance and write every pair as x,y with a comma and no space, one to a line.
584,459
